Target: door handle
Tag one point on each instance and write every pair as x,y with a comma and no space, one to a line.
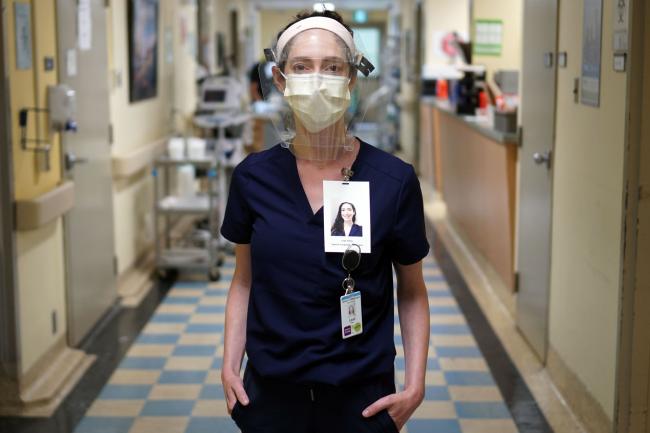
71,160
542,158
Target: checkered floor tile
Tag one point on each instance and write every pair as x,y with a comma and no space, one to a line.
169,380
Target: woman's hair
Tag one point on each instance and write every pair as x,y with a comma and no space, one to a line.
338,222
308,14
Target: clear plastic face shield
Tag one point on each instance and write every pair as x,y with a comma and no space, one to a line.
314,88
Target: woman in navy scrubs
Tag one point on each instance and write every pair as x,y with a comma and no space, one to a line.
345,222
285,305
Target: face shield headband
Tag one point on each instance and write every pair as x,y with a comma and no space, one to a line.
325,23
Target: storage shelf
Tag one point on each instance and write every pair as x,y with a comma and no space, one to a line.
189,205
186,258
208,161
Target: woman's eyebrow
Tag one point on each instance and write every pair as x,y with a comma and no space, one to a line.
311,58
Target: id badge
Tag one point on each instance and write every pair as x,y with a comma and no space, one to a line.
346,215
351,317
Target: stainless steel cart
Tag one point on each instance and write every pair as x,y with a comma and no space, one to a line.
199,250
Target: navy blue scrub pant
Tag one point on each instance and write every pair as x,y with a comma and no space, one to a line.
280,407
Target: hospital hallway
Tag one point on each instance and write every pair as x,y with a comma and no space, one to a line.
142,142
161,367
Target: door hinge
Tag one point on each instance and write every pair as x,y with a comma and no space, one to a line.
516,282
115,267
520,136
110,134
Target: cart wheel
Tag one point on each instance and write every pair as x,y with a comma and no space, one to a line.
166,274
214,273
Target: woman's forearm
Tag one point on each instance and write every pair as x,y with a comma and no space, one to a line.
235,327
413,307
237,311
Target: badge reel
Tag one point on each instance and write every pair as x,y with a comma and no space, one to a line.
351,314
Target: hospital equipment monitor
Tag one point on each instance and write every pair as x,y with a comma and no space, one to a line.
219,94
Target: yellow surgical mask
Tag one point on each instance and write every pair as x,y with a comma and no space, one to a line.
317,100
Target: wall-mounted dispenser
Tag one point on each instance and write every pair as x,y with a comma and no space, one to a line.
62,107
62,104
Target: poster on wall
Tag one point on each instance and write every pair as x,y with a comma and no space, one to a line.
22,18
488,37
592,24
143,49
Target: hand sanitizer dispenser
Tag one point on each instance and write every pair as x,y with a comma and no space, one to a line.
62,106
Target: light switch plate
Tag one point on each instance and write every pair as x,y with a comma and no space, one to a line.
620,62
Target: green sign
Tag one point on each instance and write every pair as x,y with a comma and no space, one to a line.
488,37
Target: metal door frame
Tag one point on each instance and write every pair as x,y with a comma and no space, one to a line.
9,347
633,359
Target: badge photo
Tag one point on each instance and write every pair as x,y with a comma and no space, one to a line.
346,215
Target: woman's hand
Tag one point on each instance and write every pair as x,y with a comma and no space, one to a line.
233,389
400,406
235,328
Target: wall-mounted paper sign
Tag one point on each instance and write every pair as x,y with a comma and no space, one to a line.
488,37
22,15
592,25
84,25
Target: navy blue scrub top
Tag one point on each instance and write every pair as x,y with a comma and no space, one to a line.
293,329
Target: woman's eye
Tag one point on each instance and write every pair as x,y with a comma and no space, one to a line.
299,67
333,69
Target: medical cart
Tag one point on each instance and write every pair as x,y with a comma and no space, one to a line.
199,249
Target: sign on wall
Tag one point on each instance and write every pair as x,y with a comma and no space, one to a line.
592,25
22,15
488,37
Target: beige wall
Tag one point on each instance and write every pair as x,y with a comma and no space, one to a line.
41,290
138,124
270,22
443,15
587,215
511,13
40,279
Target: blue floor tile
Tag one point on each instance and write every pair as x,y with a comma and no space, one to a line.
190,285
433,426
482,410
206,309
95,424
157,339
168,408
185,377
204,328
450,329
216,364
143,363
212,392
434,278
468,378
198,350
439,293
125,392
181,300
444,310
170,318
436,393
211,425
458,352
216,292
